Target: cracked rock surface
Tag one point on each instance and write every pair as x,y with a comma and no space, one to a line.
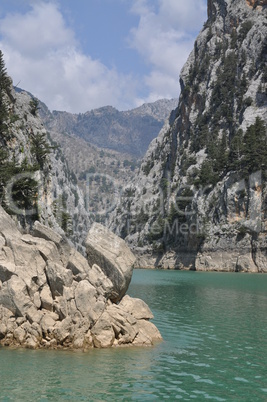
53,297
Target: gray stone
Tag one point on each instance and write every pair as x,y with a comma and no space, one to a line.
77,263
46,298
58,277
46,248
51,297
147,333
137,307
62,330
37,300
19,335
31,342
88,301
47,323
30,265
124,324
44,232
100,281
102,333
14,296
114,257
8,228
34,315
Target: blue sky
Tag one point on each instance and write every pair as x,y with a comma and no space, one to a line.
77,55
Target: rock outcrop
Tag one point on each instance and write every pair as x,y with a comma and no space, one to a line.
199,199
53,297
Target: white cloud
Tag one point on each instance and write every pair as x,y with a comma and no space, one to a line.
37,32
42,55
164,38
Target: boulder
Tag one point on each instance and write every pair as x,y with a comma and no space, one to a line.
114,257
137,307
49,234
14,296
46,298
58,277
77,263
46,248
8,228
148,330
102,333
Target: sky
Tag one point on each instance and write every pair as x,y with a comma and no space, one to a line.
78,55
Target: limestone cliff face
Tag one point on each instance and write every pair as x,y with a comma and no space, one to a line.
35,181
199,199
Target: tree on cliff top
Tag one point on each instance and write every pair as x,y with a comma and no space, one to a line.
4,85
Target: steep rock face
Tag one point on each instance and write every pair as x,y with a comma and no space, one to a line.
35,181
199,199
53,297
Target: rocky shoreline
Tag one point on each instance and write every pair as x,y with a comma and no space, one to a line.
52,297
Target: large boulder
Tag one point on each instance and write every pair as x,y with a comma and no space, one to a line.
111,253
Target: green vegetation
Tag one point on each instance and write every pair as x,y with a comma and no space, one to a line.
24,190
244,29
63,218
34,106
246,153
4,85
147,167
40,149
17,183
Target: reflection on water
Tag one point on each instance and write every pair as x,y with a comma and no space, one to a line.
215,331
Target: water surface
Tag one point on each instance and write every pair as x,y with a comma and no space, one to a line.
215,348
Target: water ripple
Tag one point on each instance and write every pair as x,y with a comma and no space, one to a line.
214,329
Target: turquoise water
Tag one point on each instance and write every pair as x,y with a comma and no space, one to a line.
215,348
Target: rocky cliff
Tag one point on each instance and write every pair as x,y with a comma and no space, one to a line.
199,200
35,180
53,297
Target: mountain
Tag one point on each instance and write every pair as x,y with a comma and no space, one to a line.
103,172
199,198
124,131
35,180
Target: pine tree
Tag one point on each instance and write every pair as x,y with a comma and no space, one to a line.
4,84
236,151
255,147
4,81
